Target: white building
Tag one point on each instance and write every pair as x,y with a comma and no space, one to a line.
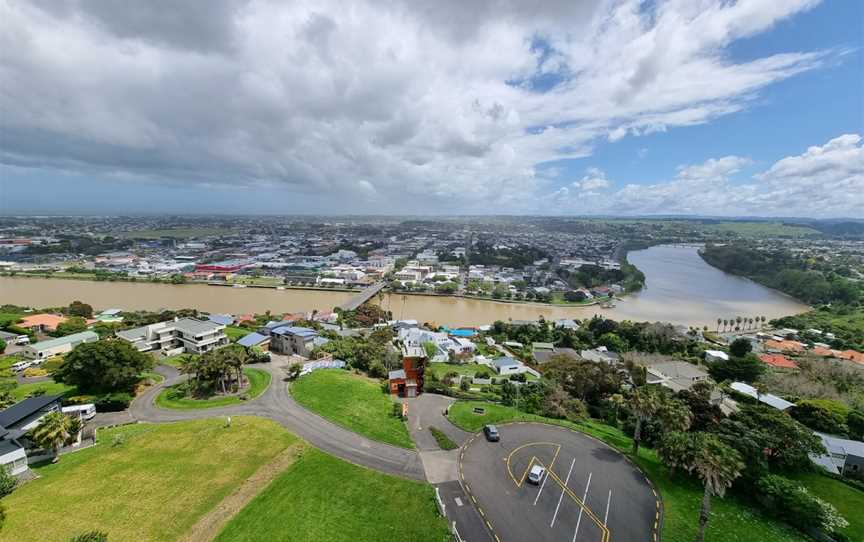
54,347
188,335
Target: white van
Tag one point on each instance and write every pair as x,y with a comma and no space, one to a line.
19,366
87,411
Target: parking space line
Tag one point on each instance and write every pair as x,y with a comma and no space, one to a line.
563,489
582,508
608,501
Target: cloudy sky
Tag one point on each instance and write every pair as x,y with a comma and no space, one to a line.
705,107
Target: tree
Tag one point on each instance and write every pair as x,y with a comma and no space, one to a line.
77,308
53,431
706,455
740,347
75,324
103,366
855,422
719,321
644,403
2,346
431,349
746,369
292,372
613,342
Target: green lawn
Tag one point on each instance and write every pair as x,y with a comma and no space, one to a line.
9,318
153,486
236,333
441,369
173,397
320,497
173,361
848,500
354,402
731,519
50,387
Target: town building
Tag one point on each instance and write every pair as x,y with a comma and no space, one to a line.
188,335
54,347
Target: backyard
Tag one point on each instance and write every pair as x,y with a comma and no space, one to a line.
320,497
142,482
354,402
731,518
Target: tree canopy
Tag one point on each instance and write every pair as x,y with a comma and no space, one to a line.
103,366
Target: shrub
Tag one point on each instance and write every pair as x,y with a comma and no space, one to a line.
7,482
465,384
397,410
2,346
443,440
112,402
795,505
35,371
377,370
52,363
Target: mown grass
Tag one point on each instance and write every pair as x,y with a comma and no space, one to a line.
50,387
236,333
443,440
174,397
731,519
154,485
354,402
320,497
848,500
469,369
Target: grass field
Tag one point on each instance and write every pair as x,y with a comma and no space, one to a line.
173,397
153,486
9,318
848,500
236,333
50,387
730,518
320,497
470,369
353,402
177,233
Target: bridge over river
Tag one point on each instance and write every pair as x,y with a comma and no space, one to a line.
363,296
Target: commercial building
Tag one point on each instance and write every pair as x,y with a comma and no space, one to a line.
54,347
188,335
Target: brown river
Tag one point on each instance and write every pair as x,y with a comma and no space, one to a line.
680,288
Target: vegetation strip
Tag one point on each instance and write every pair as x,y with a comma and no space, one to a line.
173,397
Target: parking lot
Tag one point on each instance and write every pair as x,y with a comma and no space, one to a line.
591,493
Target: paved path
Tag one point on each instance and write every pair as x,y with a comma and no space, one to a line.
277,405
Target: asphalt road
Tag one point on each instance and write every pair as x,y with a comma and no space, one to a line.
591,494
276,404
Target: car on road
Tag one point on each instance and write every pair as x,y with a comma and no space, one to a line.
535,476
491,433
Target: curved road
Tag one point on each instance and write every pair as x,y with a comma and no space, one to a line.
277,405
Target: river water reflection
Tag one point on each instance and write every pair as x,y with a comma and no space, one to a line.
680,288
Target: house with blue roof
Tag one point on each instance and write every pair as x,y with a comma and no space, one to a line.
221,319
288,339
254,339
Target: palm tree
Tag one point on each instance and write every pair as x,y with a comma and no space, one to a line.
725,323
52,432
713,461
717,465
763,321
719,321
645,404
738,321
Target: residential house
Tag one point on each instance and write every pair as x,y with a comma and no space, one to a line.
41,323
852,355
188,335
843,456
601,355
778,361
110,316
254,339
15,422
566,323
54,347
543,355
713,356
221,319
675,375
288,339
13,338
766,398
508,366
408,381
794,347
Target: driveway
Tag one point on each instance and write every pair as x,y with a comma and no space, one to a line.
428,411
276,404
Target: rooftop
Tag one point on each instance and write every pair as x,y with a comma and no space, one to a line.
60,341
25,408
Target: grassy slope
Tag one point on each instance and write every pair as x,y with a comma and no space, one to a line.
730,518
321,497
50,387
353,402
172,398
848,500
760,229
154,486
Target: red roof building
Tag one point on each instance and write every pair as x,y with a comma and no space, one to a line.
852,355
778,361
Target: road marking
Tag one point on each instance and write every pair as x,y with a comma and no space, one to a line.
563,490
608,501
537,498
581,508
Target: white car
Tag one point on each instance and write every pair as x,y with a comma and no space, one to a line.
535,476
